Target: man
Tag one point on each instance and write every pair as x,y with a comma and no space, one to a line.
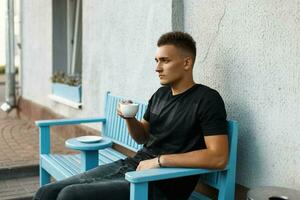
184,126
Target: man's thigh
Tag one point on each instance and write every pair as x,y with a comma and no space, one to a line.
112,170
115,170
102,190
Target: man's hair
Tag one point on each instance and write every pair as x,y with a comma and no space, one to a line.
180,40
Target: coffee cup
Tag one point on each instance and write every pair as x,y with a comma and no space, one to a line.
129,109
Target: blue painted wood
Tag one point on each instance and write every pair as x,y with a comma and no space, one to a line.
163,173
44,140
44,137
89,159
63,166
88,151
62,122
71,161
73,143
113,152
198,196
53,167
224,180
115,127
139,191
227,179
72,93
44,176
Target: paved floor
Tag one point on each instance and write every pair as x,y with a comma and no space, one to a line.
19,157
19,188
19,142
19,147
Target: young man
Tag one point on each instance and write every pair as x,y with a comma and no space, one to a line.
184,126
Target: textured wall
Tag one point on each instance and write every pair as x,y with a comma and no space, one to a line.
119,43
119,48
249,51
37,50
2,31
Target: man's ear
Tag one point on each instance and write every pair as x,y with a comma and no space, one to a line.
188,63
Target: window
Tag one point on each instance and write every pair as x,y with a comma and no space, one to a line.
67,52
67,36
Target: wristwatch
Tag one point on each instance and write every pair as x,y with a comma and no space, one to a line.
158,160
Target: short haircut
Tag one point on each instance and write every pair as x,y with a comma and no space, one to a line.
179,39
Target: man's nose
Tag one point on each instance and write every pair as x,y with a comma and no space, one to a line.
158,68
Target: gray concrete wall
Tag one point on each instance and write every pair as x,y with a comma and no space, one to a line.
118,51
37,50
2,31
249,51
119,48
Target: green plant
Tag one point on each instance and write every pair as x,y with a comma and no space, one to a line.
2,69
61,77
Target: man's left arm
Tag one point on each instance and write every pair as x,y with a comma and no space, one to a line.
215,156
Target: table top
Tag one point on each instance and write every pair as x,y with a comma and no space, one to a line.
73,143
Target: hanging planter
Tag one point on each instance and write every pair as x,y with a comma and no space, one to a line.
67,87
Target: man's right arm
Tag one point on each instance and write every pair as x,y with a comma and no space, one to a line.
139,130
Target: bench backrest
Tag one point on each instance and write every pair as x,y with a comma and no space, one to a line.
115,127
215,179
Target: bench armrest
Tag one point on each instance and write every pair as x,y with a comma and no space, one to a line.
44,132
60,122
164,173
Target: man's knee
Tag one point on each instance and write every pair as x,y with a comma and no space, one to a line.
45,192
68,193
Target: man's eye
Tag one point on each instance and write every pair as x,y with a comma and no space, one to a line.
166,61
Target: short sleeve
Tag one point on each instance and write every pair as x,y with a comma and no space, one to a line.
147,112
212,115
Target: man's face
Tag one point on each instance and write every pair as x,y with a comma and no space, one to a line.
170,64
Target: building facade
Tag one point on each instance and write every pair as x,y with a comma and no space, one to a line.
248,50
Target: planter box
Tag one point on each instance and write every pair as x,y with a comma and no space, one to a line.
72,93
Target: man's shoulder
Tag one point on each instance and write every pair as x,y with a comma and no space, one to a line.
205,91
201,92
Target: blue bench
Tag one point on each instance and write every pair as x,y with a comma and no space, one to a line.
62,166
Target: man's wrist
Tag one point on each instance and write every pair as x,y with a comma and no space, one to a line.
128,117
159,160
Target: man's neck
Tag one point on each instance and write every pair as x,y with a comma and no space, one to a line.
181,87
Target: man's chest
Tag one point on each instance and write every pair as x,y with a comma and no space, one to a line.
172,112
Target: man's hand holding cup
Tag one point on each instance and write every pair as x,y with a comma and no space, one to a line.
127,109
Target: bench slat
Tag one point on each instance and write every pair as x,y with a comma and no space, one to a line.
72,169
71,162
116,153
108,155
54,168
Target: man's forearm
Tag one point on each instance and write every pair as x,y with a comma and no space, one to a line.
195,159
137,130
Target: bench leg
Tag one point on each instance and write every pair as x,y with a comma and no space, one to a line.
44,177
89,160
139,191
227,189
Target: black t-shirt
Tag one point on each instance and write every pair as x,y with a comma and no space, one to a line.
178,124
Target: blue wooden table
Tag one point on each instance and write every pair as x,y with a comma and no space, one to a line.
89,151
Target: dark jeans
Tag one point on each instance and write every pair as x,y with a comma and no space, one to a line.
105,182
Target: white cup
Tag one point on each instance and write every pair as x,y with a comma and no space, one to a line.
129,110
